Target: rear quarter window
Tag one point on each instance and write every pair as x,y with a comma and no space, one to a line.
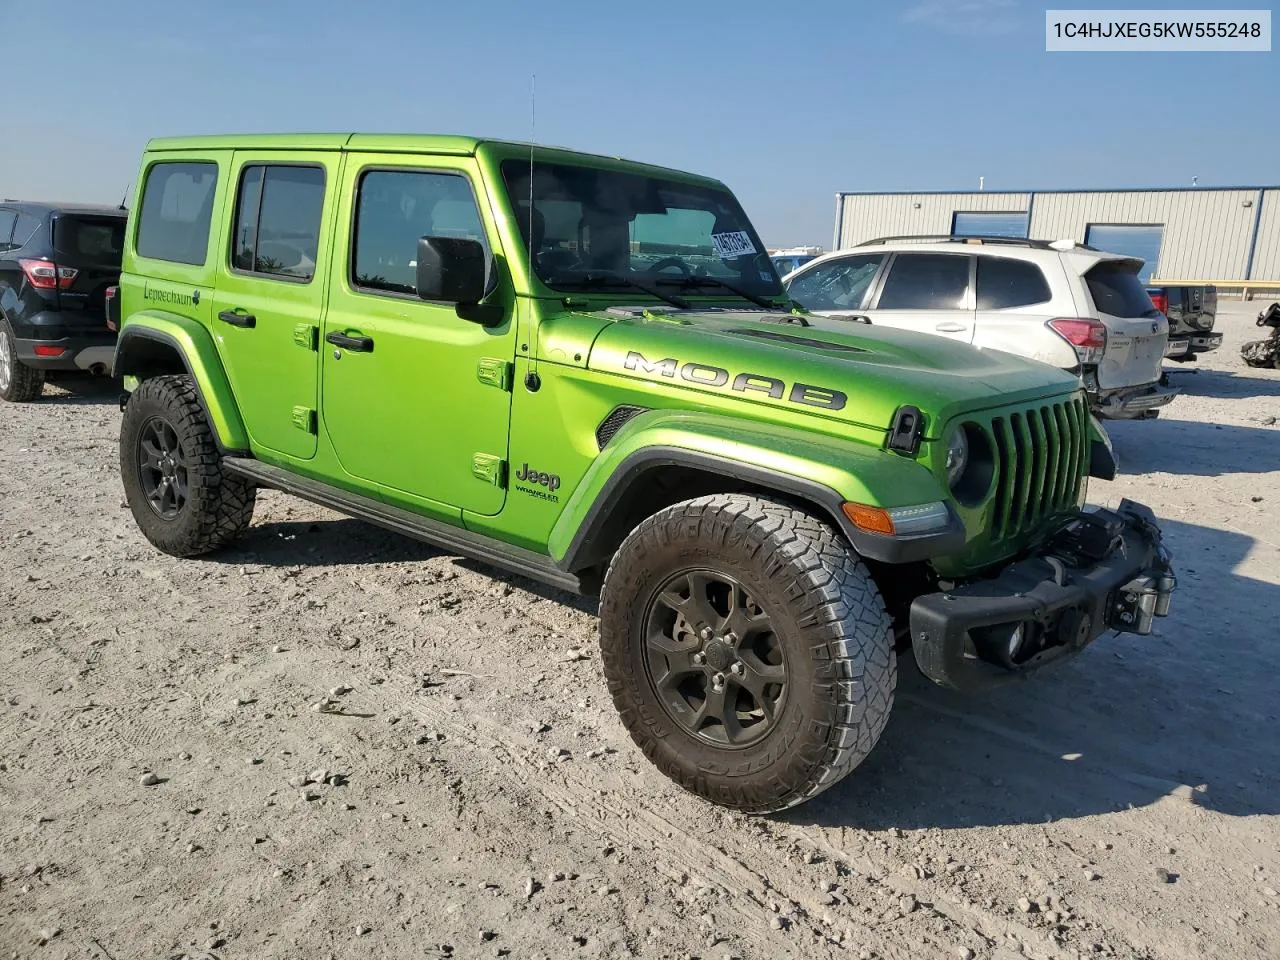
7,219
24,230
176,209
1005,283
1117,290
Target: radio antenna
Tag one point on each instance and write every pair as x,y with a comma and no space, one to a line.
532,381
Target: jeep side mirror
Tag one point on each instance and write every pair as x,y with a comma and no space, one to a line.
452,270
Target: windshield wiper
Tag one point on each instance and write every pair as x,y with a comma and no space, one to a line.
603,278
691,281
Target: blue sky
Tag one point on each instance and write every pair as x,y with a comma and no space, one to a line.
786,102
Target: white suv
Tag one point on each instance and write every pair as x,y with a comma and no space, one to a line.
1058,302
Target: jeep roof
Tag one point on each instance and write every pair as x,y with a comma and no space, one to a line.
418,143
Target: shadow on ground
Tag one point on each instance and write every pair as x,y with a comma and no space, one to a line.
1192,448
1185,713
1203,382
68,389
345,541
323,543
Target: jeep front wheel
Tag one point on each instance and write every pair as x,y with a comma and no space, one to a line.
747,650
181,498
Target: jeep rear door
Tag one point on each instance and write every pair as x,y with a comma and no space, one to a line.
927,292
416,399
270,296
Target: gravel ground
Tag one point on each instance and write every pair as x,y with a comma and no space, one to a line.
333,742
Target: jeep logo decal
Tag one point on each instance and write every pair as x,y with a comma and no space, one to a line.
528,478
706,375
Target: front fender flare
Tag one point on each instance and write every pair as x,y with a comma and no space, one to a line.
821,470
195,348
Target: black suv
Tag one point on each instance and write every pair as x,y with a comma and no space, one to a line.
56,263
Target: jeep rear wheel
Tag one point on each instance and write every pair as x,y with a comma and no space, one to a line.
181,498
747,650
18,382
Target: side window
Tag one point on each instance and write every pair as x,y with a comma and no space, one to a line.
177,205
836,284
926,281
7,220
1009,283
394,208
277,228
24,230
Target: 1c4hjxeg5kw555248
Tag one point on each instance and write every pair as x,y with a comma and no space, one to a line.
585,370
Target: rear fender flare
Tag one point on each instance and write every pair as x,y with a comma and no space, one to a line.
193,346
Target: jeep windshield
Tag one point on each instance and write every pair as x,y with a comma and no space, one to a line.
605,230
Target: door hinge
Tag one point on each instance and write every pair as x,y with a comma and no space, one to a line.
495,372
491,469
304,418
306,335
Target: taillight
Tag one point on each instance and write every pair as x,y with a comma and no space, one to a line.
1161,301
47,275
1088,337
111,307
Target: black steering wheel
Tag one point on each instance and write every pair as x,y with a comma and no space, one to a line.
665,262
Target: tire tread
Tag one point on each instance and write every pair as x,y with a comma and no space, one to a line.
834,599
26,383
221,504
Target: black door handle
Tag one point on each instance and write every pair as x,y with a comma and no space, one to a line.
354,344
237,319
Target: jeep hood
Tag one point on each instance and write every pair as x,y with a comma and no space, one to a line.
878,369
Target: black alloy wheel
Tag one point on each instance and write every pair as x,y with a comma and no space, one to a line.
162,468
713,659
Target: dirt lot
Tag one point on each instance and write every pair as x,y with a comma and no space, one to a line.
477,796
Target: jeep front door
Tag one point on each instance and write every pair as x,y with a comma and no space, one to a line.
416,399
268,300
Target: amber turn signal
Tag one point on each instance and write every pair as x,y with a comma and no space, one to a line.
870,519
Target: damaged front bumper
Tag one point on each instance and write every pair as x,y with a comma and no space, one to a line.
1102,570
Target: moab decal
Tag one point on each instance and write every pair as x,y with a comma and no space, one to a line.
706,375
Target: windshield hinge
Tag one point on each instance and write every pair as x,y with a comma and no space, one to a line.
495,372
489,468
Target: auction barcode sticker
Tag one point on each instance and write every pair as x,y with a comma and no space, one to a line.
733,244
1119,31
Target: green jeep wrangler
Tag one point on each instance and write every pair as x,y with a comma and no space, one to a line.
584,370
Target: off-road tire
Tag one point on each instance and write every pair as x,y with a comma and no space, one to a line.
218,505
23,384
830,621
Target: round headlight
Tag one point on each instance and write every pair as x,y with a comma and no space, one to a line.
957,455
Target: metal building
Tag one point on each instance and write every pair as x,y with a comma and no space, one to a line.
1228,236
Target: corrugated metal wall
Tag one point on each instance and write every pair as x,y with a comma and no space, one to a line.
1207,232
1266,255
869,216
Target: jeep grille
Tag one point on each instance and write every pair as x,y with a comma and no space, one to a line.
1041,459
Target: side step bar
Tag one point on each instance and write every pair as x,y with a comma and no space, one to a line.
443,535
